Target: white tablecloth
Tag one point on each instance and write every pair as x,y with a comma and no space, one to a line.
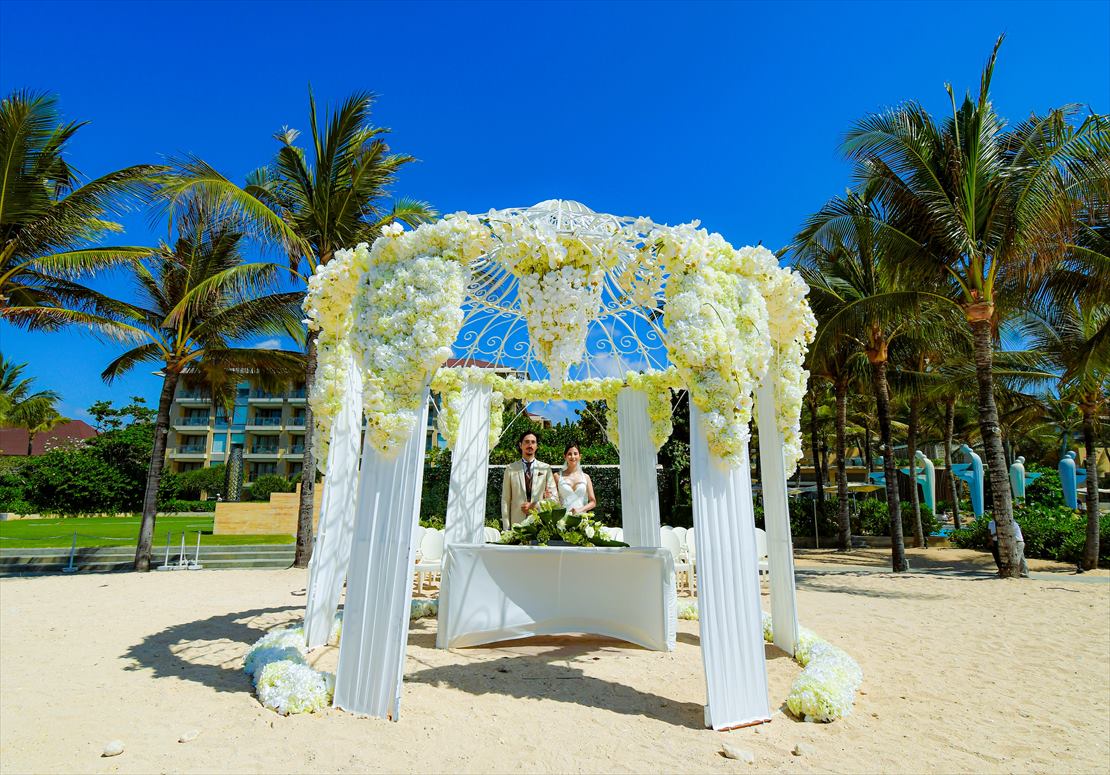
491,593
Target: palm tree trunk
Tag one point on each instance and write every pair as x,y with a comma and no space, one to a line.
30,442
154,473
911,450
1090,550
844,540
882,401
307,502
815,447
1002,506
867,450
949,428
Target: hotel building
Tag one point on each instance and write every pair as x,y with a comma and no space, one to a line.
268,427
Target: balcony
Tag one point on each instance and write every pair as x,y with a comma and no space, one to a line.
297,396
297,450
296,422
191,424
189,452
262,453
193,397
264,424
265,397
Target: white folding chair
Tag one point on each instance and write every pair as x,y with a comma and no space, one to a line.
431,558
493,535
761,550
670,542
681,533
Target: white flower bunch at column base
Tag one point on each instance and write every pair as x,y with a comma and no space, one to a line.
826,689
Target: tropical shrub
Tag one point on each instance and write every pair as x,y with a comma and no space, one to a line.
175,505
265,485
1046,489
874,518
1050,532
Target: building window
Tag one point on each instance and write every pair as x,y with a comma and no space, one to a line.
262,469
219,444
192,444
296,445
268,417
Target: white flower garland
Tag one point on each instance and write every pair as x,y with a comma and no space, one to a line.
826,689
730,315
657,384
284,681
332,290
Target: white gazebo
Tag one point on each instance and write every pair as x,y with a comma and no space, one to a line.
588,306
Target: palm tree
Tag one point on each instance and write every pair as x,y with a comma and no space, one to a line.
196,300
838,362
20,404
987,207
314,208
51,222
1067,333
41,418
861,297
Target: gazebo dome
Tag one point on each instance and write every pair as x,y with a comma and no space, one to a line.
625,331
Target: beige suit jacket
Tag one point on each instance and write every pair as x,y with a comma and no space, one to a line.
513,492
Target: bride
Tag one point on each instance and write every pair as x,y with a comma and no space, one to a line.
576,489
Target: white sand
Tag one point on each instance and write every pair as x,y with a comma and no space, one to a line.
960,674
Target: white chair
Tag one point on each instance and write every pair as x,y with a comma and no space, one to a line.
418,535
493,535
669,541
430,561
761,550
681,533
618,534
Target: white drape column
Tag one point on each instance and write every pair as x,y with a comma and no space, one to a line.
332,553
379,581
728,587
639,484
776,514
466,493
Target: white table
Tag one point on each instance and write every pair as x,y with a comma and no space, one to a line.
491,593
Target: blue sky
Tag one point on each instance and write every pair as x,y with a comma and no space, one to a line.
731,113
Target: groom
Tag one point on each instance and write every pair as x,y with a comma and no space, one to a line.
527,482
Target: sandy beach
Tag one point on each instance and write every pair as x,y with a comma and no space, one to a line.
962,673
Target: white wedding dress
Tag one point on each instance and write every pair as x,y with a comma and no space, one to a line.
572,497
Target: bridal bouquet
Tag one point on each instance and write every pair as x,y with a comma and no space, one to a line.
550,523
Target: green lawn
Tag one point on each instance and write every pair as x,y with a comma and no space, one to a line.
120,531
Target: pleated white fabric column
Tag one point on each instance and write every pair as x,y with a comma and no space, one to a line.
466,493
776,513
332,553
728,587
379,581
639,484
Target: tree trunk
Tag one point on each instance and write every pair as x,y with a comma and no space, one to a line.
1090,550
1002,506
949,428
308,471
844,539
911,450
882,400
815,448
30,442
867,451
154,473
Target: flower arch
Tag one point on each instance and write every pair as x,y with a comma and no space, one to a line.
663,307
582,306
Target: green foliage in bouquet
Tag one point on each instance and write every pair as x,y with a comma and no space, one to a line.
551,522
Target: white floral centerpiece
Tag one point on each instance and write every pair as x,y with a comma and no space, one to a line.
551,524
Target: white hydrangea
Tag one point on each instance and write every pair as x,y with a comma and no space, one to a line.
294,687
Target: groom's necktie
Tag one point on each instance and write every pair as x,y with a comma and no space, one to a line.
528,480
